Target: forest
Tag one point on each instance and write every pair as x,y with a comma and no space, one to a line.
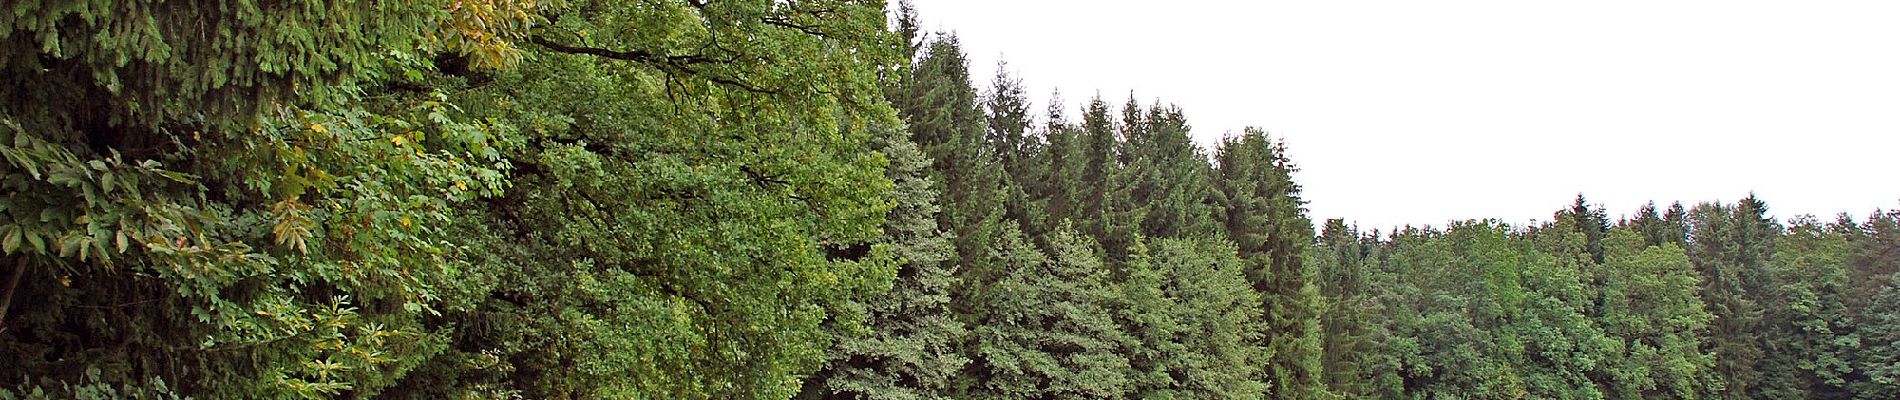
797,199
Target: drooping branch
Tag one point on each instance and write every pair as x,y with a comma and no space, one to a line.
787,24
667,63
628,55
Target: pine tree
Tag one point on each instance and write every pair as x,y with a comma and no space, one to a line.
1006,109
940,106
1150,317
1060,186
1676,225
1874,242
1649,223
1263,214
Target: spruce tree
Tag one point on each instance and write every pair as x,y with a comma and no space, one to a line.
1263,214
1060,185
1592,222
1006,110
909,346
1879,360
1170,177
1347,324
1104,211
1215,351
940,107
1049,330
1018,148
1729,246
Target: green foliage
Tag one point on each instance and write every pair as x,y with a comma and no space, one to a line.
1262,213
909,345
1730,246
91,387
1192,312
134,134
1050,330
1169,176
1880,352
1344,263
1818,339
940,105
794,199
1650,306
695,197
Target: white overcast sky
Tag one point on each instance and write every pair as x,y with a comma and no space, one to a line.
1422,112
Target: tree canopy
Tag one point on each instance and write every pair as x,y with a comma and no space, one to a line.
810,199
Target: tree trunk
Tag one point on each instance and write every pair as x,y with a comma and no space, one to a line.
6,295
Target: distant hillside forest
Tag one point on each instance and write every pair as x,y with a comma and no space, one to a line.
796,199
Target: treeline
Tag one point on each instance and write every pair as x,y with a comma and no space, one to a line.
1713,301
794,199
1095,256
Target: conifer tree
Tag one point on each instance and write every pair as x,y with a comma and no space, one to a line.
1006,110
1347,324
1811,331
940,106
1050,328
1197,328
1104,211
1730,246
1149,315
1170,177
1018,148
1263,214
1676,225
1592,222
909,347
1879,361
1874,242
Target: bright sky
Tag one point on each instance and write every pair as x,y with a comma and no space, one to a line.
1416,112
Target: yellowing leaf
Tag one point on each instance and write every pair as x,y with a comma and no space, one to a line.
461,186
398,140
319,128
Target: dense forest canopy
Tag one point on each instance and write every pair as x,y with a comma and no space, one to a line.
809,199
